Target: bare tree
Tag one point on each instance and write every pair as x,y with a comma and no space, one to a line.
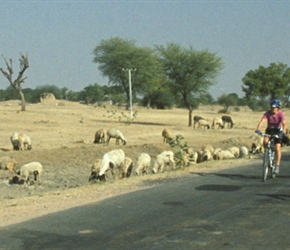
16,84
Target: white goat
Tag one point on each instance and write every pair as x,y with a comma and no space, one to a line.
95,169
215,152
117,134
24,142
224,154
235,151
206,155
257,144
14,140
143,163
110,161
208,147
32,168
217,122
166,157
203,124
127,167
244,151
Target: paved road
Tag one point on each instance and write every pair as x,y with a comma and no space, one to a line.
231,209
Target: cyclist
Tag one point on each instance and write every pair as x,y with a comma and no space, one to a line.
276,124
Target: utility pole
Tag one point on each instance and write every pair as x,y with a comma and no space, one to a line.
130,90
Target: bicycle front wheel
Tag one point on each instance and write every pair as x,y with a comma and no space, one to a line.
273,164
265,164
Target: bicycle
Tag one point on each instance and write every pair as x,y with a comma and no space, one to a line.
269,161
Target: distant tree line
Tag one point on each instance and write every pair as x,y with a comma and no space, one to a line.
162,77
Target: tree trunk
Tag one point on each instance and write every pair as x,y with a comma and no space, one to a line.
22,100
149,103
189,117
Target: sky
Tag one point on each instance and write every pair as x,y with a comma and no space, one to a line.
59,36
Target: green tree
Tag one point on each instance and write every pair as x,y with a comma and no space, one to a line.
160,100
92,93
190,73
73,96
115,55
228,100
271,81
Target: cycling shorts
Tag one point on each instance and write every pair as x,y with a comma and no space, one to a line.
275,131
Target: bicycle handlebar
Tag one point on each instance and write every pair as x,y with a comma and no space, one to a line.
268,135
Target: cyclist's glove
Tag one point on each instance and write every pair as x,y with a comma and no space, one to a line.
258,131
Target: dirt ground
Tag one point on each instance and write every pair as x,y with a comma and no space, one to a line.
62,135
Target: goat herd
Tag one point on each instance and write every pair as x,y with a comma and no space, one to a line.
216,122
115,160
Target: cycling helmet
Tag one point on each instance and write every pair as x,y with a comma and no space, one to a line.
275,104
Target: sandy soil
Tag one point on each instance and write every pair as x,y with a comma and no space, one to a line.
62,136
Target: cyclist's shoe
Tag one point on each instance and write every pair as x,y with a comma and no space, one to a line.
276,171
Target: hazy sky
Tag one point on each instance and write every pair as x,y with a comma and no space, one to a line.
59,36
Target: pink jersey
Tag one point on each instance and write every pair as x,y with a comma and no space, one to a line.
274,121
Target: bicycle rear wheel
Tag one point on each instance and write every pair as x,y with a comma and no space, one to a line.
266,163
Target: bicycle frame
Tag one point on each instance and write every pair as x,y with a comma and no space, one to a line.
269,157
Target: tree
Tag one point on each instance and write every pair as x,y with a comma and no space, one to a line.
116,54
16,84
271,81
92,93
190,73
228,100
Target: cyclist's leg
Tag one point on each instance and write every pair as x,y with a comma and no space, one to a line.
265,144
278,153
266,139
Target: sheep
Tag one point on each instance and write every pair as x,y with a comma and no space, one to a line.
24,142
190,153
166,157
111,160
166,134
143,163
235,151
95,168
186,160
244,151
215,153
257,144
100,136
208,147
227,119
127,167
206,155
14,140
32,168
8,163
217,122
195,157
203,123
117,134
196,118
224,154
199,156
